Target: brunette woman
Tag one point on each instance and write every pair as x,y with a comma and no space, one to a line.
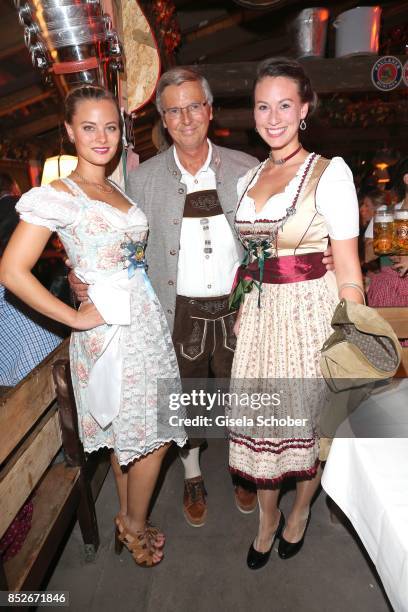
288,207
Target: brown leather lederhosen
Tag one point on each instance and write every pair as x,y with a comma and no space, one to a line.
203,327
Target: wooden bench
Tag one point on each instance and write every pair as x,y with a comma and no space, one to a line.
37,419
398,319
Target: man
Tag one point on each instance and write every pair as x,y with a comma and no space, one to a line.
189,195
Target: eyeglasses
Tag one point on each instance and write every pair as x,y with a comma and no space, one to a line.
195,108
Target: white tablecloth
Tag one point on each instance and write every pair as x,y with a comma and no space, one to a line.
368,480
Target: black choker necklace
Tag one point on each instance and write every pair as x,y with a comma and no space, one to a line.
283,160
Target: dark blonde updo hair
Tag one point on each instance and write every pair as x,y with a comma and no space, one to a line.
84,93
291,69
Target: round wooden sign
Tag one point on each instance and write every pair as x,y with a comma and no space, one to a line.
142,55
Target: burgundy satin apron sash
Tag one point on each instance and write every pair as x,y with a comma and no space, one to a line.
286,269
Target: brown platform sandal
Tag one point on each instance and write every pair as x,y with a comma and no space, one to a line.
140,544
155,533
157,536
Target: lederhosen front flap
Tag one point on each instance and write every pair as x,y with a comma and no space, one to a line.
201,204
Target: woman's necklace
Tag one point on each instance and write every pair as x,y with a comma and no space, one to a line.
283,160
106,188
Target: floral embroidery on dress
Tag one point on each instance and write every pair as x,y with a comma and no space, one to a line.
96,224
89,426
110,256
82,373
95,344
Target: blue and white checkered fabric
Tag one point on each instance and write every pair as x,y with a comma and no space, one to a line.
24,339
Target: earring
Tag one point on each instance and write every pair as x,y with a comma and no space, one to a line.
256,129
302,125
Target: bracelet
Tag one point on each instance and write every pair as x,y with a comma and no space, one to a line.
354,286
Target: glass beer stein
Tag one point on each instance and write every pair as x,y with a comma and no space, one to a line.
383,233
400,242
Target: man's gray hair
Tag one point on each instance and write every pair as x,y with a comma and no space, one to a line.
177,76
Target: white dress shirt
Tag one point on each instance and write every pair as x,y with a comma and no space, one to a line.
201,274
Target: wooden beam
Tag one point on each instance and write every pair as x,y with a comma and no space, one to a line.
197,50
14,50
230,33
22,82
333,75
218,25
26,102
395,14
11,31
208,27
254,50
37,127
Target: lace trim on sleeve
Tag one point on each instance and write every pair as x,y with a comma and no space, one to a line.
48,207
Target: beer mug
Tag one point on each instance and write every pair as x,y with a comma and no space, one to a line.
400,243
383,233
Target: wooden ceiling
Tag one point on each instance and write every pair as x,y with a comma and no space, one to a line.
225,40
29,110
215,37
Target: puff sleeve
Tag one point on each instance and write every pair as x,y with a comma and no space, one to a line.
48,207
336,200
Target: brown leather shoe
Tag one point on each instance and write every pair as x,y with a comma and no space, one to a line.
194,502
246,501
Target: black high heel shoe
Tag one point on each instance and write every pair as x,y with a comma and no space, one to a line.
256,559
286,549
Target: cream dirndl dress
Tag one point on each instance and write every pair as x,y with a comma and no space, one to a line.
117,367
281,335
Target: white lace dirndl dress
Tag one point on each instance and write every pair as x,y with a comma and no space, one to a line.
115,367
